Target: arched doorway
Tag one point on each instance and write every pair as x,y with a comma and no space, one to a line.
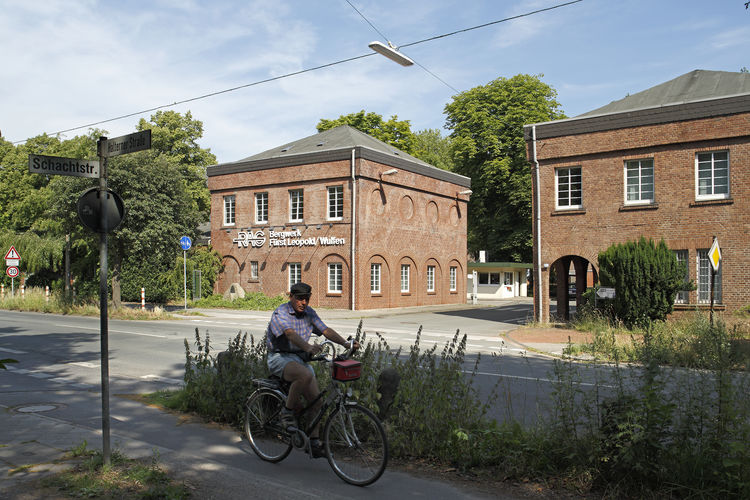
571,276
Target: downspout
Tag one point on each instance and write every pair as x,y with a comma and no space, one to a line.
353,239
538,216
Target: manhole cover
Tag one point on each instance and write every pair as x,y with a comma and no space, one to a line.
36,408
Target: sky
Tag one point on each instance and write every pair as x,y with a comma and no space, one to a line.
67,64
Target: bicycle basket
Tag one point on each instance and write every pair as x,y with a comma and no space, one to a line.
349,369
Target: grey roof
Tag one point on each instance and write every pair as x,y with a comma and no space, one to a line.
332,145
697,85
695,95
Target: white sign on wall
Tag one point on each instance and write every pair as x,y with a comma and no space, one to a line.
293,238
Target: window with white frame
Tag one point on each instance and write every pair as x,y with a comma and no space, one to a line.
704,279
507,278
712,175
335,202
682,258
254,269
261,208
374,278
569,192
296,205
335,277
405,278
229,212
639,181
295,273
452,278
430,278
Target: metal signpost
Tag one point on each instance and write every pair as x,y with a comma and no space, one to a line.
185,243
12,261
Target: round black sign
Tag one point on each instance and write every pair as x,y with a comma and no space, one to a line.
89,210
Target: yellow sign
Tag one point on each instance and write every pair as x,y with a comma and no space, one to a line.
714,255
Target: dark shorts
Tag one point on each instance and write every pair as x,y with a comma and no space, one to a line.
278,360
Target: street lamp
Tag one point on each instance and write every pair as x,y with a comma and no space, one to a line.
390,52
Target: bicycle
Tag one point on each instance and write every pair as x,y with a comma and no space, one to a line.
354,438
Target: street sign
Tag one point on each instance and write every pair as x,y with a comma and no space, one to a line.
12,271
89,210
12,253
125,144
12,262
714,255
605,293
55,165
186,242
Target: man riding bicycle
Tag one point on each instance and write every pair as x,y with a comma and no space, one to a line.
289,331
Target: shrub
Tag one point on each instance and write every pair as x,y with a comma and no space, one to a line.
646,278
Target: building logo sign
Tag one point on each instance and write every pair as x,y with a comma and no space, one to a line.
293,238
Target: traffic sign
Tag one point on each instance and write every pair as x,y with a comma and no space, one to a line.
89,210
605,293
55,165
12,253
12,271
125,144
714,255
186,242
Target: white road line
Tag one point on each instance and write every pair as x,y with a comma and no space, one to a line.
117,331
86,364
537,379
162,379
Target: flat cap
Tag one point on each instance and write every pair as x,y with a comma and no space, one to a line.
300,289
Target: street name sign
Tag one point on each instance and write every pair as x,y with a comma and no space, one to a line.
55,165
605,293
714,255
125,144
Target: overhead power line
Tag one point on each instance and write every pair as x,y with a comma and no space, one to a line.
307,70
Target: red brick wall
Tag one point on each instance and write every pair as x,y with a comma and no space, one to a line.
405,218
676,216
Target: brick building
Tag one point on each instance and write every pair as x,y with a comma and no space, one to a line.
366,225
670,162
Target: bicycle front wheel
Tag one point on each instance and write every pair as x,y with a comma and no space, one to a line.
263,426
356,445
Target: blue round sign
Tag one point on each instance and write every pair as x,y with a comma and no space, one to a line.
186,242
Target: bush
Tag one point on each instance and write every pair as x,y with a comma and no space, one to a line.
646,278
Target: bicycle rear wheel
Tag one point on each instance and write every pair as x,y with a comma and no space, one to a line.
356,445
263,426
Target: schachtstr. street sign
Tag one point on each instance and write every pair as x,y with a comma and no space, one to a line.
55,165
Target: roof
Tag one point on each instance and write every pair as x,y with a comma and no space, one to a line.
336,144
698,85
521,265
694,95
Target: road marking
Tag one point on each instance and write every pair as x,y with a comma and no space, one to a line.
162,379
537,379
85,364
117,331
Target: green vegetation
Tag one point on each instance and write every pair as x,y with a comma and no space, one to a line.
123,478
254,301
646,278
645,430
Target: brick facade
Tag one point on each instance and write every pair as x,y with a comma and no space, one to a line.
671,137
413,217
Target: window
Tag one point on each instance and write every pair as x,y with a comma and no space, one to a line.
404,278
335,202
682,258
712,175
374,278
254,269
489,278
639,181
430,278
452,278
296,205
568,182
704,279
261,208
335,278
295,273
507,278
229,214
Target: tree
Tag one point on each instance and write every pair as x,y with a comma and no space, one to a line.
646,278
488,146
395,132
433,148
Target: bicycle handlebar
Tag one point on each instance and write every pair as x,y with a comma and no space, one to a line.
346,354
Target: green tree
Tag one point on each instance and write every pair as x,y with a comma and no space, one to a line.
433,148
395,132
646,278
488,146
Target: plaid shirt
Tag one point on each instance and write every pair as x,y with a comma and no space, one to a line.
284,318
